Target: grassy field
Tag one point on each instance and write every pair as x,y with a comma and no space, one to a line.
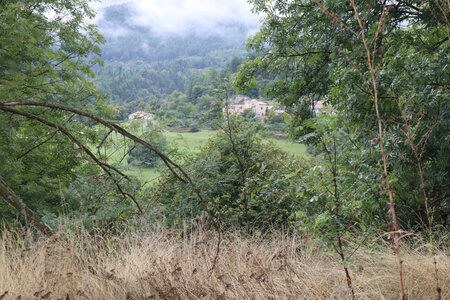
297,149
145,174
194,140
191,142
162,264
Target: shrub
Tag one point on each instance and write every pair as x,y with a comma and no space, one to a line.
244,181
142,156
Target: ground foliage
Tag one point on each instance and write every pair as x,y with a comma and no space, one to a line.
157,263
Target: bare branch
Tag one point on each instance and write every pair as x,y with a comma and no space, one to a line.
103,140
168,162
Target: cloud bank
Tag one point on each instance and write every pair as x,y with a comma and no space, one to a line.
188,16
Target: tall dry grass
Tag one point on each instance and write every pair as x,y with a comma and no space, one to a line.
162,265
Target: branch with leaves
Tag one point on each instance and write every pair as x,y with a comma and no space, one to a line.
176,170
372,85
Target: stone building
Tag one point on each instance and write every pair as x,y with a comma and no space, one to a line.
145,119
241,103
140,115
317,106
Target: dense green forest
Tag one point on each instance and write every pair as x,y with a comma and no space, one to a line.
375,174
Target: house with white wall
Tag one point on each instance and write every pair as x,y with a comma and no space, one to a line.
240,103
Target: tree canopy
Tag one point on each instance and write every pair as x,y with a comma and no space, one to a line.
48,163
47,50
317,51
381,65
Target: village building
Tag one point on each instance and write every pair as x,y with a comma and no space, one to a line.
144,117
240,104
317,106
140,115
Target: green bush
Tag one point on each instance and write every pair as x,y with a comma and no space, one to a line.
244,181
142,156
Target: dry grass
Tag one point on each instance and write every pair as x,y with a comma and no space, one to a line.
160,264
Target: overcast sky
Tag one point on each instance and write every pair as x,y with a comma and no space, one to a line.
179,16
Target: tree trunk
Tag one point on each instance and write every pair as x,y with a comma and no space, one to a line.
30,216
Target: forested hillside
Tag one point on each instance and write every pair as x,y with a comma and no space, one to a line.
143,68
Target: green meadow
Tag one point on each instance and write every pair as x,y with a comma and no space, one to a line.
192,141
185,142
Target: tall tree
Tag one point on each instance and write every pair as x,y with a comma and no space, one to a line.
46,98
47,48
316,51
379,64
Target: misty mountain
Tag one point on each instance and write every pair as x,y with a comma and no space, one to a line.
191,48
143,65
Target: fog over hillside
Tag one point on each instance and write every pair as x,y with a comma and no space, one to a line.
181,17
156,48
210,32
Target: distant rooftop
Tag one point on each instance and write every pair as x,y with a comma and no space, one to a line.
140,115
